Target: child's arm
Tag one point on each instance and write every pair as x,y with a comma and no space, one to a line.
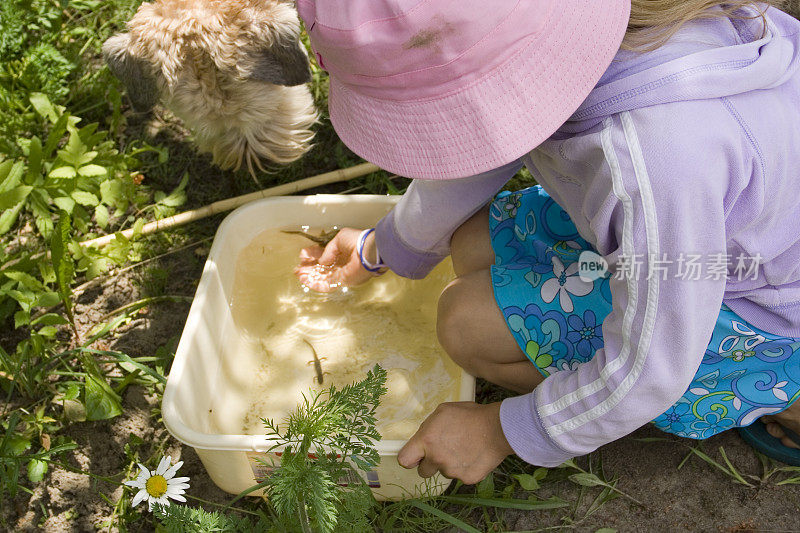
415,236
664,201
412,238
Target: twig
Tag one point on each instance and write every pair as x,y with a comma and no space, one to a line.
224,205
232,203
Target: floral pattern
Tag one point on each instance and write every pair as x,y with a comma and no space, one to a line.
556,318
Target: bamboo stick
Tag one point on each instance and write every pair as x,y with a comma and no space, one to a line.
232,203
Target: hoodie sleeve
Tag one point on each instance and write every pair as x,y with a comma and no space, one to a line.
655,202
415,236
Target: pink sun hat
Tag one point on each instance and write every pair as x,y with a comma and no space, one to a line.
444,89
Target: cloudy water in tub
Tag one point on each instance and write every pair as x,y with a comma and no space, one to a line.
280,325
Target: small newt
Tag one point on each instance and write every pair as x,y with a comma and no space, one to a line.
322,239
316,362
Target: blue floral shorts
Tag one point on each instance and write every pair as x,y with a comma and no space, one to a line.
556,318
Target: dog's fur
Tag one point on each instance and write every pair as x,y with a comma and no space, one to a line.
233,70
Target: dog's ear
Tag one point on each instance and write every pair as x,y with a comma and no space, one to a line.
131,71
285,63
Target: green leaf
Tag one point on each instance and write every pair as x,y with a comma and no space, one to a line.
17,444
14,196
452,520
13,177
485,488
92,171
85,198
24,279
74,150
101,402
63,173
36,470
87,158
43,106
587,480
5,168
540,473
72,392
111,192
34,160
101,215
137,227
48,331
9,217
55,135
177,197
527,481
50,319
62,261
47,299
41,212
65,203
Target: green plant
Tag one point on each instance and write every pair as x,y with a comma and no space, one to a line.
320,439
180,519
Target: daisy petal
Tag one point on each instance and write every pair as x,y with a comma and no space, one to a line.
135,483
179,486
178,498
163,465
179,480
141,495
144,471
169,474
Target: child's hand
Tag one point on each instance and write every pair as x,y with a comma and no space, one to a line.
338,265
462,440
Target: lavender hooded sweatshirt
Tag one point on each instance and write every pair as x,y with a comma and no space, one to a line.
691,148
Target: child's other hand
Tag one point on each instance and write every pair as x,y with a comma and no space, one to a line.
462,440
338,265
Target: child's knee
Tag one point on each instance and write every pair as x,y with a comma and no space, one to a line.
453,325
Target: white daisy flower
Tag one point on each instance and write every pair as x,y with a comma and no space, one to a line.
157,486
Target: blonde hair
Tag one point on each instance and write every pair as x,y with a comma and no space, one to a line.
653,22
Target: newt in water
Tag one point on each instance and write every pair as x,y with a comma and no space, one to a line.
316,362
322,239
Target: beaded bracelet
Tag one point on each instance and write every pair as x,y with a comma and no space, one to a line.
374,268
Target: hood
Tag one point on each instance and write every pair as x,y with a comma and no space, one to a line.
710,58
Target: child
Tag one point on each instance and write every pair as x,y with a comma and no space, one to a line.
678,165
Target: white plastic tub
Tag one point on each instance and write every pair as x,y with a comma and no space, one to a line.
195,381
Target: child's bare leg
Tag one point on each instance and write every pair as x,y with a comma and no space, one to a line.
474,333
470,326
471,247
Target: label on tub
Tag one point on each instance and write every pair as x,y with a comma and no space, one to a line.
262,467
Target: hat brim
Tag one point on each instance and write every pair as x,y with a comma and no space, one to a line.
496,119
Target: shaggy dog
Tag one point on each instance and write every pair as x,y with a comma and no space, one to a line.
233,70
